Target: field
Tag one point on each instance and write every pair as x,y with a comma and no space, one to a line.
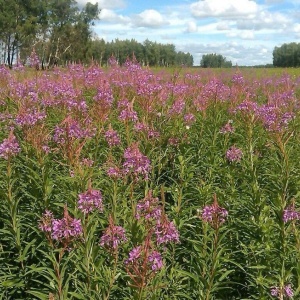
138,183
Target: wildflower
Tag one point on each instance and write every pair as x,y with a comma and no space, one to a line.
45,224
105,97
214,214
135,162
286,291
156,260
114,172
34,59
234,154
70,129
189,118
238,79
113,236
289,214
128,114
177,107
90,200
148,208
61,229
227,128
87,162
141,254
166,231
66,228
112,137
134,254
9,147
274,291
29,118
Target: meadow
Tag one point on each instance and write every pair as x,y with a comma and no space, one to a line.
137,183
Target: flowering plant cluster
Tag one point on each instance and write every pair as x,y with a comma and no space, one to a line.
156,145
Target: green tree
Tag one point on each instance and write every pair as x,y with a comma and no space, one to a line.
214,60
287,55
20,21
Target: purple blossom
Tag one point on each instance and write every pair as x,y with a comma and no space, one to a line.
274,291
9,147
29,118
142,127
87,162
234,154
45,224
66,228
189,118
114,172
286,291
134,254
247,107
177,107
149,208
135,162
34,60
112,62
290,214
113,236
214,214
112,137
142,257
89,201
128,114
238,78
227,128
71,129
156,260
105,97
166,232
62,230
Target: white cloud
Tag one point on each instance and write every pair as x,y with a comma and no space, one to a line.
111,4
149,18
244,34
110,16
191,27
223,26
265,20
224,8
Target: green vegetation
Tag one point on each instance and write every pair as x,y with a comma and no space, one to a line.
124,183
287,55
215,61
60,32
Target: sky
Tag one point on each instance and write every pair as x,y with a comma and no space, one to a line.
244,31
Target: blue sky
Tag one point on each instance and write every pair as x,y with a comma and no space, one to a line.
244,31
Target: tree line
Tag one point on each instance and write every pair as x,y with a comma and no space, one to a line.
59,32
214,60
56,29
287,55
147,53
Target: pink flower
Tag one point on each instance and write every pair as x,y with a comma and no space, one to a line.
234,154
90,200
113,236
9,147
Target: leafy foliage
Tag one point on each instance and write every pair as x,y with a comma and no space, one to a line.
124,183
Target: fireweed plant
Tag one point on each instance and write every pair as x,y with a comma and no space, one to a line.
130,183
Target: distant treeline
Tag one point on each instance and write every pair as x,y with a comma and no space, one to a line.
214,60
146,53
61,31
287,55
